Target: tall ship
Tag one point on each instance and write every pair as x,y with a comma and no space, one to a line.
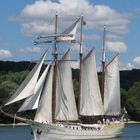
96,114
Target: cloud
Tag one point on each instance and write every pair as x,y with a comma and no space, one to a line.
75,64
127,66
119,47
5,53
136,60
30,50
135,64
91,37
75,48
104,15
113,37
36,28
39,16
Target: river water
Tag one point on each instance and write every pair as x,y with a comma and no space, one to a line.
131,132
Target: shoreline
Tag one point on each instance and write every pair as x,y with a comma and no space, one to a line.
14,125
133,122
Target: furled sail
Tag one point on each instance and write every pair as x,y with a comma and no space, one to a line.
69,33
90,98
32,102
26,89
65,100
44,111
112,88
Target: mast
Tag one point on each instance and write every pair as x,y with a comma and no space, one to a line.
55,70
80,63
103,65
69,32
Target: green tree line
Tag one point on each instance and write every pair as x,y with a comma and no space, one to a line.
9,81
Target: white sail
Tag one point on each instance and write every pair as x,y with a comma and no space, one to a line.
44,111
69,33
90,99
65,100
26,89
32,102
112,88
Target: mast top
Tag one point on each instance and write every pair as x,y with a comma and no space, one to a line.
103,51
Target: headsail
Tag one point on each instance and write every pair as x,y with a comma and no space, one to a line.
33,101
112,88
26,89
65,100
44,111
90,99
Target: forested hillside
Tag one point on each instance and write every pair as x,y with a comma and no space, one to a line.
13,73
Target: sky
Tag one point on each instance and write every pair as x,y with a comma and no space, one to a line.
22,20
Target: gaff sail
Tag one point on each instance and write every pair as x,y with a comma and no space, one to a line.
90,99
112,88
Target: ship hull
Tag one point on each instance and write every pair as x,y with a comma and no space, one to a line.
43,131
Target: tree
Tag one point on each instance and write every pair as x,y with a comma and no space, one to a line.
7,88
133,101
9,82
123,97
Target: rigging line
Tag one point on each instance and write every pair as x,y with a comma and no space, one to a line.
14,121
31,62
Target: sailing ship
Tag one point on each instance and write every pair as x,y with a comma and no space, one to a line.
52,94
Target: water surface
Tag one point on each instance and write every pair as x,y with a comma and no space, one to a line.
131,132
